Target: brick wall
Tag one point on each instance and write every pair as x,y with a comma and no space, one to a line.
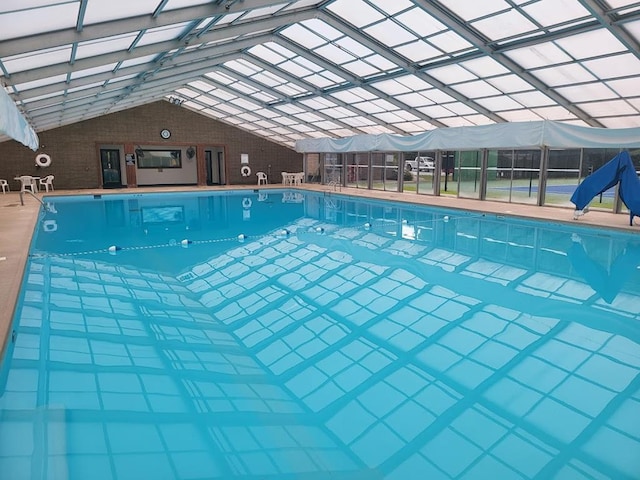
74,149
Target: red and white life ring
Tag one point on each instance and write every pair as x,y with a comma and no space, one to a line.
245,171
43,160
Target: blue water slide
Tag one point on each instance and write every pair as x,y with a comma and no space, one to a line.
618,170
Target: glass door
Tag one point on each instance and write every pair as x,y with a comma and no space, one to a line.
110,162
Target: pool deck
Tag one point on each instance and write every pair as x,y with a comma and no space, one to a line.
17,224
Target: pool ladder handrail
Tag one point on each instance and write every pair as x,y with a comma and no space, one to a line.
32,194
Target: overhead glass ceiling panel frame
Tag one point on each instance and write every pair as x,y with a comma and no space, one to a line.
440,62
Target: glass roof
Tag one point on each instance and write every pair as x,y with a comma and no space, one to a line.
288,70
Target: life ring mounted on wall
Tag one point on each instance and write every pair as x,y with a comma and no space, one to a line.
245,171
43,160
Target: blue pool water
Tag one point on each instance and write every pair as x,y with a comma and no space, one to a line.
341,338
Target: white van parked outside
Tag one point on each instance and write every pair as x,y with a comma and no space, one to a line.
420,164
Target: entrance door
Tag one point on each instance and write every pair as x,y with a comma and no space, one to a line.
110,161
214,159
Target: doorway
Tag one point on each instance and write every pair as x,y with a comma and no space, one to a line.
214,159
110,162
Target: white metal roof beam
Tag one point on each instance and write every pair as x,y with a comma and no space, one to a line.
355,81
457,25
127,25
383,51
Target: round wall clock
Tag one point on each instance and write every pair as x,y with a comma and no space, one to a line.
165,133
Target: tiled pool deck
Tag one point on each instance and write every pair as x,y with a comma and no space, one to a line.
17,224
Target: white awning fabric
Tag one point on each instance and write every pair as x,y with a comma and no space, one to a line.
13,123
518,135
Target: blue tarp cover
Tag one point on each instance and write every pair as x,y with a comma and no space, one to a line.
619,170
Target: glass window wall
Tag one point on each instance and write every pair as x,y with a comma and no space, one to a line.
563,176
470,174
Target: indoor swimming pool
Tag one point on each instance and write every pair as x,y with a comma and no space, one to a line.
281,334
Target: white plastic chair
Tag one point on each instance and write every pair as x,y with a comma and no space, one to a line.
47,182
262,178
5,186
27,182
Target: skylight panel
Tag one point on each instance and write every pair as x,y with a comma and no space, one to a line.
323,29
418,52
520,116
414,100
356,12
510,84
334,54
391,87
476,89
104,45
266,113
620,122
420,22
246,104
456,122
391,7
162,34
484,67
290,89
308,64
460,108
438,96
265,124
627,87
588,92
226,107
244,88
303,36
451,74
533,99
388,117
264,97
202,86
406,116
591,44
92,71
131,62
243,67
41,58
541,55
207,100
504,25
186,92
615,66
228,18
564,75
267,54
612,108
554,12
357,121
98,12
294,69
450,42
220,77
84,87
304,128
353,47
262,12
222,94
381,62
309,117
21,87
390,33
290,109
338,112
301,3
436,111
319,81
554,113
24,23
497,104
360,68
471,9
284,121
